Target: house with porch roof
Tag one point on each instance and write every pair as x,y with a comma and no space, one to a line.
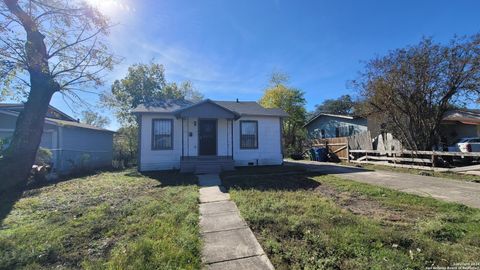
208,136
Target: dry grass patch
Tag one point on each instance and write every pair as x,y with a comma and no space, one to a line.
307,221
120,220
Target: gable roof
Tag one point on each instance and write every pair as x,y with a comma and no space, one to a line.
14,110
350,117
251,108
207,101
59,122
162,106
51,113
239,108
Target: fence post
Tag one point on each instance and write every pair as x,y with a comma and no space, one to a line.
348,153
433,159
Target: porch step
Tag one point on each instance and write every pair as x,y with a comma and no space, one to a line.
206,165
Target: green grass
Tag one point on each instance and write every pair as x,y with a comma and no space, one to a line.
307,221
119,220
447,175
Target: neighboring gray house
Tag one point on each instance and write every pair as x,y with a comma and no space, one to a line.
326,125
457,124
73,144
208,136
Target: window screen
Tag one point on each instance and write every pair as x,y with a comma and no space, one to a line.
248,134
162,134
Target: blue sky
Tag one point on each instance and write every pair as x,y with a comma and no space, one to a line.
228,49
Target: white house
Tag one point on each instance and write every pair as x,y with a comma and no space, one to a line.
208,135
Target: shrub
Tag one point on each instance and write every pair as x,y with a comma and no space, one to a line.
44,157
450,233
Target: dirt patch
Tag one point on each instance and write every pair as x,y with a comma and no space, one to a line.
362,205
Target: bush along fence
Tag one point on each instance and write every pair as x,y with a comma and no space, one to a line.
386,150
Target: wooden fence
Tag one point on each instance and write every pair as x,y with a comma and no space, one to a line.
337,147
340,147
359,148
360,141
426,160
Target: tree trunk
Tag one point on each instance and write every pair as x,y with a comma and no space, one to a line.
20,155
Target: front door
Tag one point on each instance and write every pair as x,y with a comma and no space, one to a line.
207,137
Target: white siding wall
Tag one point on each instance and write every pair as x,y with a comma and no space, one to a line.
223,136
191,142
160,159
268,152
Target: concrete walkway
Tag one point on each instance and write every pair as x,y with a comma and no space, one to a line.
450,190
228,243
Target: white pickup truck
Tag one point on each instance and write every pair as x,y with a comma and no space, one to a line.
466,145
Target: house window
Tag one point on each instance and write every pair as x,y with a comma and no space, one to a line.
248,134
162,134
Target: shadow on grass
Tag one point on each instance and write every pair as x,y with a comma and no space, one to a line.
291,176
7,201
290,182
270,169
326,168
168,178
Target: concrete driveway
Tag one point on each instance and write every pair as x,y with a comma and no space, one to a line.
450,190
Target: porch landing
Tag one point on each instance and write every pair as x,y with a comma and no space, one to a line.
206,164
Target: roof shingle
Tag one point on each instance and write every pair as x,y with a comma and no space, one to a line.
240,107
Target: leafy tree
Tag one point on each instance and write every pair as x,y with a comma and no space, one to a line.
291,100
342,105
46,47
410,89
144,83
94,119
125,146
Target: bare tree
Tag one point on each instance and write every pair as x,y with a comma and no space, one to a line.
46,46
410,89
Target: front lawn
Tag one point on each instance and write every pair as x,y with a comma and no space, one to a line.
309,221
119,220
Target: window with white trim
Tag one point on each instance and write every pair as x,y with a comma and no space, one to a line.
162,134
248,134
